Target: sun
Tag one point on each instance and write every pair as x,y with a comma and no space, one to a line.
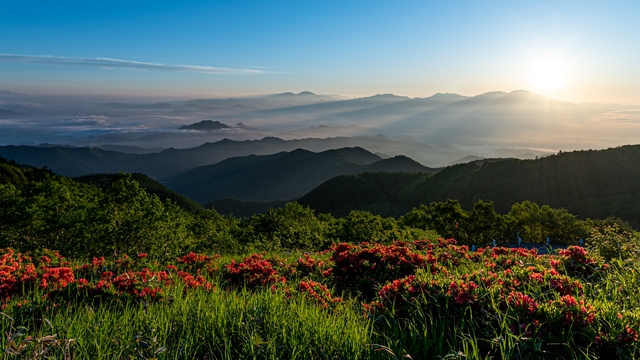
547,76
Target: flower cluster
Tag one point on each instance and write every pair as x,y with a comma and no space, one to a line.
318,293
463,293
56,278
16,270
194,259
141,284
307,266
577,261
523,304
574,312
197,281
254,271
365,266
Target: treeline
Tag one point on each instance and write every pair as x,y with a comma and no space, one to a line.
526,221
39,209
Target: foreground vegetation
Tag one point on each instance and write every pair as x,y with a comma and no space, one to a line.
292,284
420,299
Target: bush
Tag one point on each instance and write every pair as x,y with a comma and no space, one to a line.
613,242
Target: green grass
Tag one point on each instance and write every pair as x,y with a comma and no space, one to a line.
217,325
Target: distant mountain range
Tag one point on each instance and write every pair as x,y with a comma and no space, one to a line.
77,161
120,148
285,175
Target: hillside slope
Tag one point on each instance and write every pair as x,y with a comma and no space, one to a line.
280,176
592,183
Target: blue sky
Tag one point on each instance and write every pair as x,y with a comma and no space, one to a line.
355,48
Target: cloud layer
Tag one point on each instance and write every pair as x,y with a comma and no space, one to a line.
107,63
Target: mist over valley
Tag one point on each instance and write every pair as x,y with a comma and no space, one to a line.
435,131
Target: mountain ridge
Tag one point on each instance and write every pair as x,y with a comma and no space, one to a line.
281,176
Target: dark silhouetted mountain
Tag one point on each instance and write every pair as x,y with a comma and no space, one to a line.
205,125
47,145
84,161
593,183
211,125
280,176
120,148
10,114
398,163
376,192
70,161
466,159
129,149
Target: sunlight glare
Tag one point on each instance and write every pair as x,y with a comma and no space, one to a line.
547,76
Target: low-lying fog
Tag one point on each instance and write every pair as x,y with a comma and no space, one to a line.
496,124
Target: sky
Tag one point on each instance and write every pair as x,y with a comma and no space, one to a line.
577,51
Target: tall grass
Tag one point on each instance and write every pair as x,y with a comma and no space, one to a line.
196,324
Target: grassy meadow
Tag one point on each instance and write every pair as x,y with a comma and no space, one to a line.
418,300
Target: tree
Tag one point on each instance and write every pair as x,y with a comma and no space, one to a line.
215,233
484,224
418,218
525,220
290,227
449,219
128,220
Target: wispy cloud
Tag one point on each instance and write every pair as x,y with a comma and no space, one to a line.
623,116
107,63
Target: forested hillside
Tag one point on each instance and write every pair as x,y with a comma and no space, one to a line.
281,176
590,184
149,185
